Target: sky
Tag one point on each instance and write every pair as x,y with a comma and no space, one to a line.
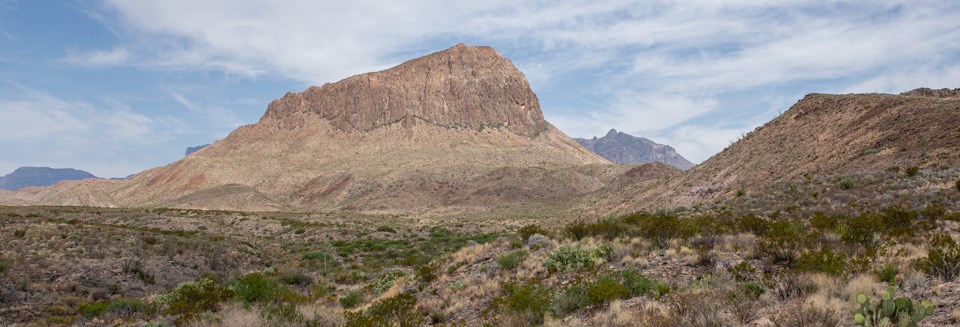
114,87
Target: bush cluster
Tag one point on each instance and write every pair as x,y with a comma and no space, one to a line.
576,257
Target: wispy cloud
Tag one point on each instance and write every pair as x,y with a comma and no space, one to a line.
113,57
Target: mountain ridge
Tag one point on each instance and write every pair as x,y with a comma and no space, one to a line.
623,148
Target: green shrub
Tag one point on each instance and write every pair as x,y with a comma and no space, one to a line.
322,290
606,289
427,273
572,299
783,241
3,265
742,271
845,183
753,224
636,283
754,291
297,279
890,311
530,300
386,229
823,260
255,288
575,257
94,309
351,300
128,308
663,227
399,310
660,289
191,298
577,230
943,258
888,273
913,171
526,231
958,184
511,260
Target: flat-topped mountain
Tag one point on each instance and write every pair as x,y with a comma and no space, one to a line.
40,176
841,136
457,130
623,148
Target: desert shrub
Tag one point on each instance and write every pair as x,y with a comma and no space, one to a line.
511,260
575,257
191,298
823,260
887,273
571,299
743,303
845,183
890,310
3,265
386,229
529,300
636,283
660,289
351,300
297,279
823,221
399,310
790,286
753,224
896,221
958,184
783,241
742,271
605,289
94,309
322,290
129,308
664,227
320,259
526,231
20,233
256,287
605,228
913,171
751,290
943,258
428,272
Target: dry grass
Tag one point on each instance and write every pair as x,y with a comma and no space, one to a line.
861,284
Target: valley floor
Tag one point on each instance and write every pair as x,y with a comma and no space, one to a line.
696,267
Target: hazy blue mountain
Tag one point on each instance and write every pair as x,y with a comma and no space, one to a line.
40,176
193,149
627,149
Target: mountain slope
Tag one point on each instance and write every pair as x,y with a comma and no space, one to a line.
457,130
821,135
40,176
623,148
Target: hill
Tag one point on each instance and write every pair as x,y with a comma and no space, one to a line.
862,140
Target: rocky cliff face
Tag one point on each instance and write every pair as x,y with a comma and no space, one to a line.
462,87
627,149
40,176
455,131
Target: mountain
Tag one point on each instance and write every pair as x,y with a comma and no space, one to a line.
193,149
823,137
623,148
40,176
459,130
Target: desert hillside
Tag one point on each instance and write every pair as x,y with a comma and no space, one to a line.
822,137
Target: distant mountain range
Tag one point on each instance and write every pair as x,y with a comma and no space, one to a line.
40,176
193,149
627,149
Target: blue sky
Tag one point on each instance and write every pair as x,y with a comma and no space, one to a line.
117,86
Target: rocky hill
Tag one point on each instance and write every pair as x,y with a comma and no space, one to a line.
623,148
40,176
193,149
454,131
823,137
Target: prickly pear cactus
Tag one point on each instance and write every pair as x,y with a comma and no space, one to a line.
891,311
